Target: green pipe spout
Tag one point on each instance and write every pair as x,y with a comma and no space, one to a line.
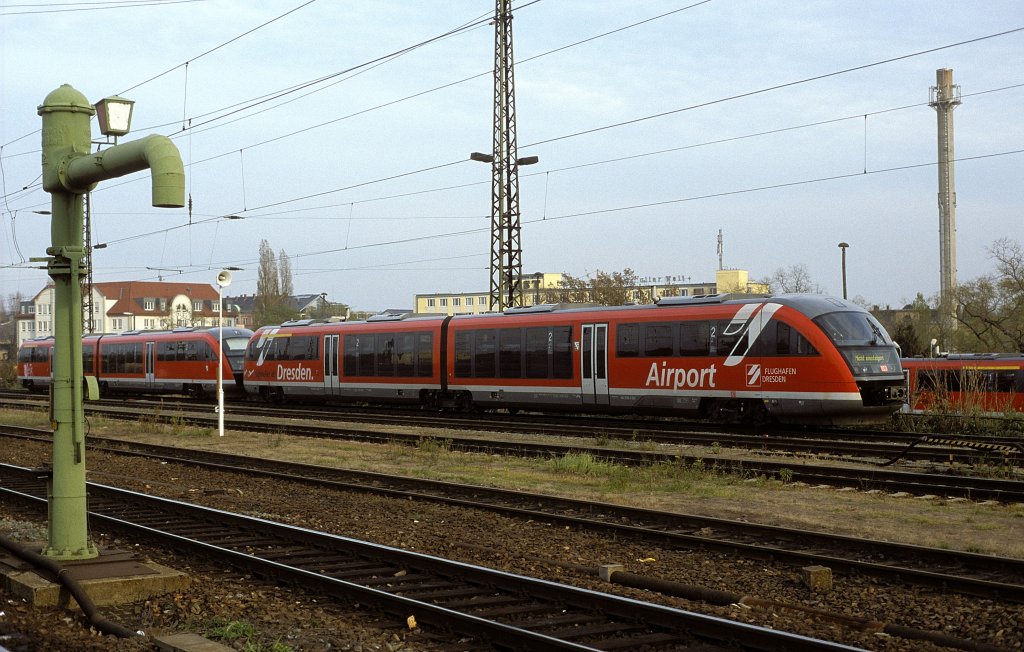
155,152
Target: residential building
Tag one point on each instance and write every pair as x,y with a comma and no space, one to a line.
122,306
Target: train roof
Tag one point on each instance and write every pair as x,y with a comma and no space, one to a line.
968,357
811,305
229,331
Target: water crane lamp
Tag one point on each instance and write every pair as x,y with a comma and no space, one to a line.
114,115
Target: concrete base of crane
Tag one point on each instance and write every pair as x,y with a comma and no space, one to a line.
114,577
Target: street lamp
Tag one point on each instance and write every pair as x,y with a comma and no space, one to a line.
843,246
223,280
506,249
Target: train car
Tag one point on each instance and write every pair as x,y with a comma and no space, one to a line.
792,359
789,358
967,382
180,361
35,364
386,359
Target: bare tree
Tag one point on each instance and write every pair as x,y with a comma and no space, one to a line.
990,309
284,266
794,278
271,305
605,288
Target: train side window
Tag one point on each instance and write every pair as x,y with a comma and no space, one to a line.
658,340
484,353
464,354
800,345
627,340
694,338
561,351
788,341
927,380
727,339
510,355
425,355
405,355
306,347
1004,381
951,380
537,357
365,348
165,351
133,359
385,354
350,364
88,358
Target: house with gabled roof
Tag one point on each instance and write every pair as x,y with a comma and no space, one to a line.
121,306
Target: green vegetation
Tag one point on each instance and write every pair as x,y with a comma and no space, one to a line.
244,636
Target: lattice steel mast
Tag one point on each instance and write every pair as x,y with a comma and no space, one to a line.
506,246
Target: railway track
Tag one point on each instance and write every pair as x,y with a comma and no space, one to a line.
982,575
493,608
873,479
871,445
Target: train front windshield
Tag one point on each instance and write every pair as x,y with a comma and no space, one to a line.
863,342
234,348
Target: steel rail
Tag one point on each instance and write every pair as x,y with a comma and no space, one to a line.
509,611
971,573
961,486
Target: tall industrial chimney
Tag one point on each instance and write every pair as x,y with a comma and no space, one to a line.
945,96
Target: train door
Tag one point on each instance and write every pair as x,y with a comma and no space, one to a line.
331,384
594,364
150,365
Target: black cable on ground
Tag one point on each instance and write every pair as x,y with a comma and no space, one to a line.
62,576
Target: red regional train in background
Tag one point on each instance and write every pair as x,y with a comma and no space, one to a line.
986,382
183,360
789,358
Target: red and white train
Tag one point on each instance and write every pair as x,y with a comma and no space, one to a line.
985,382
180,361
790,358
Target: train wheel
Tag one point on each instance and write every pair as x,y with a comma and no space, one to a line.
464,403
734,411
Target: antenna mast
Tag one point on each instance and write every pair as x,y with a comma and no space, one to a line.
720,249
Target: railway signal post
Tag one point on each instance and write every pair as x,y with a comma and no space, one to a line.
70,170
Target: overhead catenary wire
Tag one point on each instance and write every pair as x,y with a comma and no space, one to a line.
617,209
100,6
562,169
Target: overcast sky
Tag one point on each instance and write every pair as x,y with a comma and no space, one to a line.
657,124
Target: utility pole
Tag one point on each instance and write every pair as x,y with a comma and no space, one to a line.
88,310
69,173
945,96
506,247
